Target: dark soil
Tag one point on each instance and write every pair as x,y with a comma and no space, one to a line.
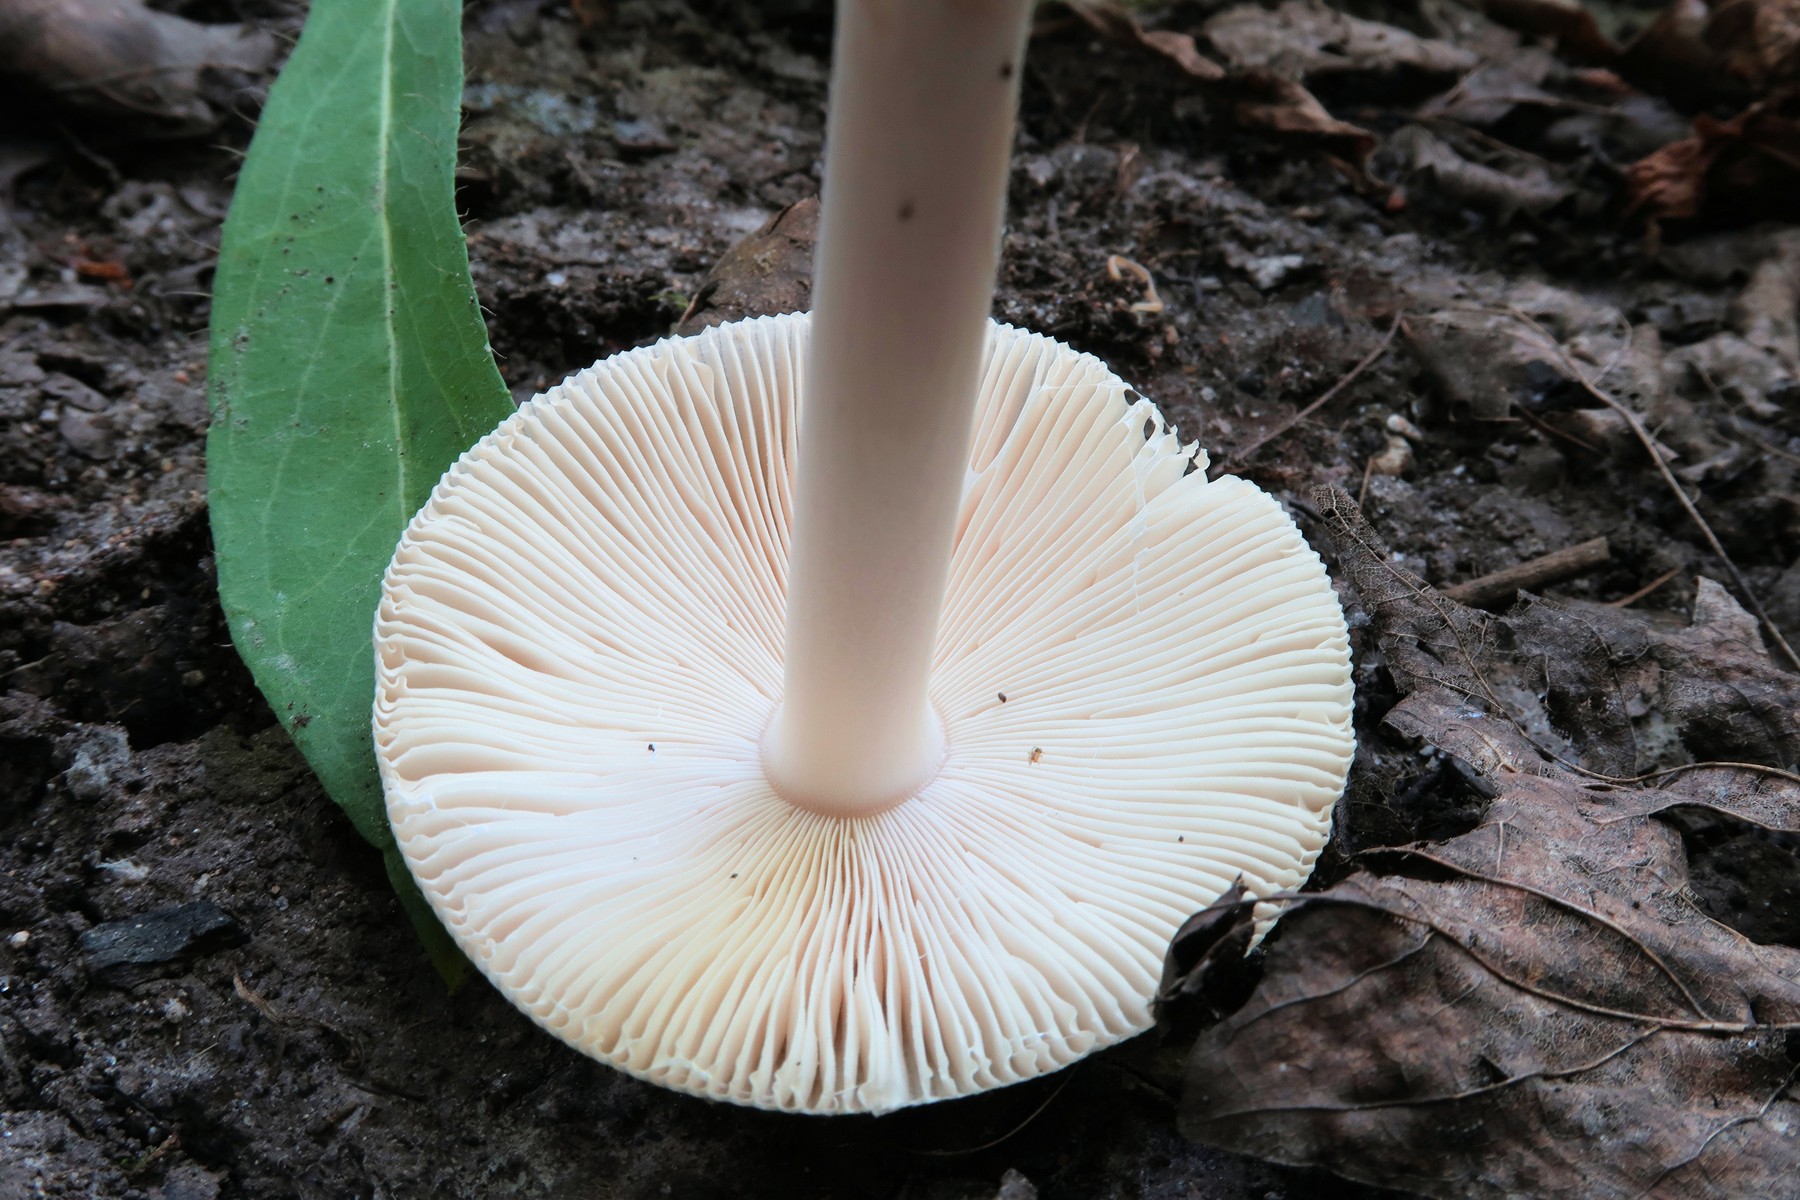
281,1034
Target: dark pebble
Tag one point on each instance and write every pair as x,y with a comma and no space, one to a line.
117,951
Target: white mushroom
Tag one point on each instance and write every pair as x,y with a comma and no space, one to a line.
886,780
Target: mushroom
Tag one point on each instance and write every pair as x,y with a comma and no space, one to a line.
838,713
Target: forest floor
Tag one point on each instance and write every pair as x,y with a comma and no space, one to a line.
275,1031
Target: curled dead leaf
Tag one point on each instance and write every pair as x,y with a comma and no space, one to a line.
1736,171
1731,51
1257,98
1571,26
768,272
1484,361
1536,1006
1206,972
1116,23
1308,42
1533,1008
1520,183
1265,101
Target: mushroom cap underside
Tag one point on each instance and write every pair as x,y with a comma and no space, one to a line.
1143,678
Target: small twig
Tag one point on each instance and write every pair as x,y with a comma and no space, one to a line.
1368,360
1009,1134
1363,491
1542,426
283,1023
1500,586
93,157
1759,768
172,1142
1649,444
1628,601
1737,419
1332,499
26,666
255,1000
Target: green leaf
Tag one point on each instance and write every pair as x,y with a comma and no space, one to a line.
349,367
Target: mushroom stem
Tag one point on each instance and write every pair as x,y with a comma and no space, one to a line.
919,137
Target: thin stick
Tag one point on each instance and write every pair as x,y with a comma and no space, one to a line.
1387,339
1649,444
1554,567
1737,418
1009,1134
1542,426
1758,768
1628,601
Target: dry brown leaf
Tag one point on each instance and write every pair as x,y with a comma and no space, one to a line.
1484,361
1527,184
1734,172
1531,1009
1733,51
1206,975
1306,41
1671,56
1571,25
1257,99
1537,1006
1592,111
1489,94
1264,101
768,272
1548,689
1113,21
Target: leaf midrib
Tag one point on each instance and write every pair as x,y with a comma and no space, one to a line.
390,283
389,296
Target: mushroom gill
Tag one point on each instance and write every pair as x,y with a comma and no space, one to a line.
1141,674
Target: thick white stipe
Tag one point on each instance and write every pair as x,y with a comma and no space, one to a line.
923,97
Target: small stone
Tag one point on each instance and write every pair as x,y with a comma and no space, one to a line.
126,870
19,940
118,951
74,393
643,137
1397,459
88,434
1405,428
187,1181
1014,1186
1269,273
19,370
95,760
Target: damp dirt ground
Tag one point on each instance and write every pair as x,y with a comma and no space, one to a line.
292,1041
